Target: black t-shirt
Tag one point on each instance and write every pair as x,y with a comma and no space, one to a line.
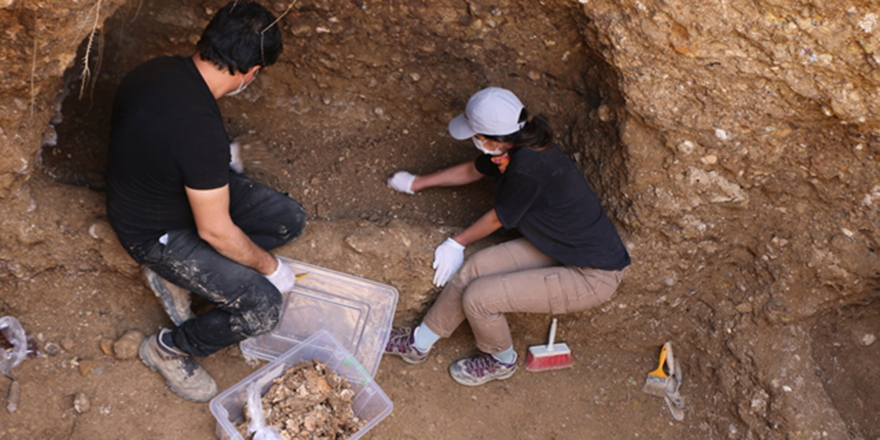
545,196
166,133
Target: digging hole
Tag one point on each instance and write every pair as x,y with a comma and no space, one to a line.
363,90
847,352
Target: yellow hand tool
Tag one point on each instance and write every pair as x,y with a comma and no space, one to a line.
657,380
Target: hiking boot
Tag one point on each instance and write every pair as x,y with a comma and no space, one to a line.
174,299
181,372
402,343
480,369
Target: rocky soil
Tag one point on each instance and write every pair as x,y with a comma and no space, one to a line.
734,143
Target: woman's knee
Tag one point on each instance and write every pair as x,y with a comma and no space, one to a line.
474,300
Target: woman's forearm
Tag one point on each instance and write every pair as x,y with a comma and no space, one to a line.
456,175
481,228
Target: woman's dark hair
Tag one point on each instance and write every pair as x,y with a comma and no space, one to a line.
239,37
536,134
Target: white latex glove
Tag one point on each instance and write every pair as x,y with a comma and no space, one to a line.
448,258
236,163
402,181
283,278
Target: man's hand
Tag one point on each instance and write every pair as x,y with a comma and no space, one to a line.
402,182
448,258
283,278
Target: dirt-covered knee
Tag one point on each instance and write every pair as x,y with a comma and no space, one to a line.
292,224
262,317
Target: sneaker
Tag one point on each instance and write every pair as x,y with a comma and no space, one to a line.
480,369
181,372
401,343
174,299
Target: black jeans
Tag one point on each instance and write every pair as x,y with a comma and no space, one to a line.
246,303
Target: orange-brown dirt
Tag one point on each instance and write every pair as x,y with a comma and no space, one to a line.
734,143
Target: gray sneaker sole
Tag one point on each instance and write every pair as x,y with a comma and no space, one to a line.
146,359
409,360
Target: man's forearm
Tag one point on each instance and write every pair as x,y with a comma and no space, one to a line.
238,247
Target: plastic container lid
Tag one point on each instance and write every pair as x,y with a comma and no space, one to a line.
370,402
356,311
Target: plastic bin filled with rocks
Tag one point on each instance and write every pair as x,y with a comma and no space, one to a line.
369,403
356,311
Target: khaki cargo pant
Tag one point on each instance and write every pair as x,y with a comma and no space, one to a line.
514,277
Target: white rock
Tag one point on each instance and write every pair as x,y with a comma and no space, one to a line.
868,339
721,134
687,147
81,403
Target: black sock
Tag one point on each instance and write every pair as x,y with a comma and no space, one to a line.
167,341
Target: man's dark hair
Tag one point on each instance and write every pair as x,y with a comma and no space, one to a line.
237,38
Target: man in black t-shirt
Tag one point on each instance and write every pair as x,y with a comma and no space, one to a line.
178,209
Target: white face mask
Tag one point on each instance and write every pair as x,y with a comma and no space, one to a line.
243,86
479,144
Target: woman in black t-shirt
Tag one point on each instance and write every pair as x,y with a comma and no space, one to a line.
569,259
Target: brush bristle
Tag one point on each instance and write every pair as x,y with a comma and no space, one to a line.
548,362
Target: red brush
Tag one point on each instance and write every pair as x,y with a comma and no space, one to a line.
549,357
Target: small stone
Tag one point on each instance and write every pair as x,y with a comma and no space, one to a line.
52,349
686,147
534,75
302,30
85,366
745,308
868,339
107,346
710,159
721,134
81,403
67,344
309,424
127,346
13,397
604,113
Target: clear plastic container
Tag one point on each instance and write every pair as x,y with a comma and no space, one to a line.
370,402
356,311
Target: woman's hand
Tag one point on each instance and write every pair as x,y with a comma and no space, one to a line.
402,181
448,258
